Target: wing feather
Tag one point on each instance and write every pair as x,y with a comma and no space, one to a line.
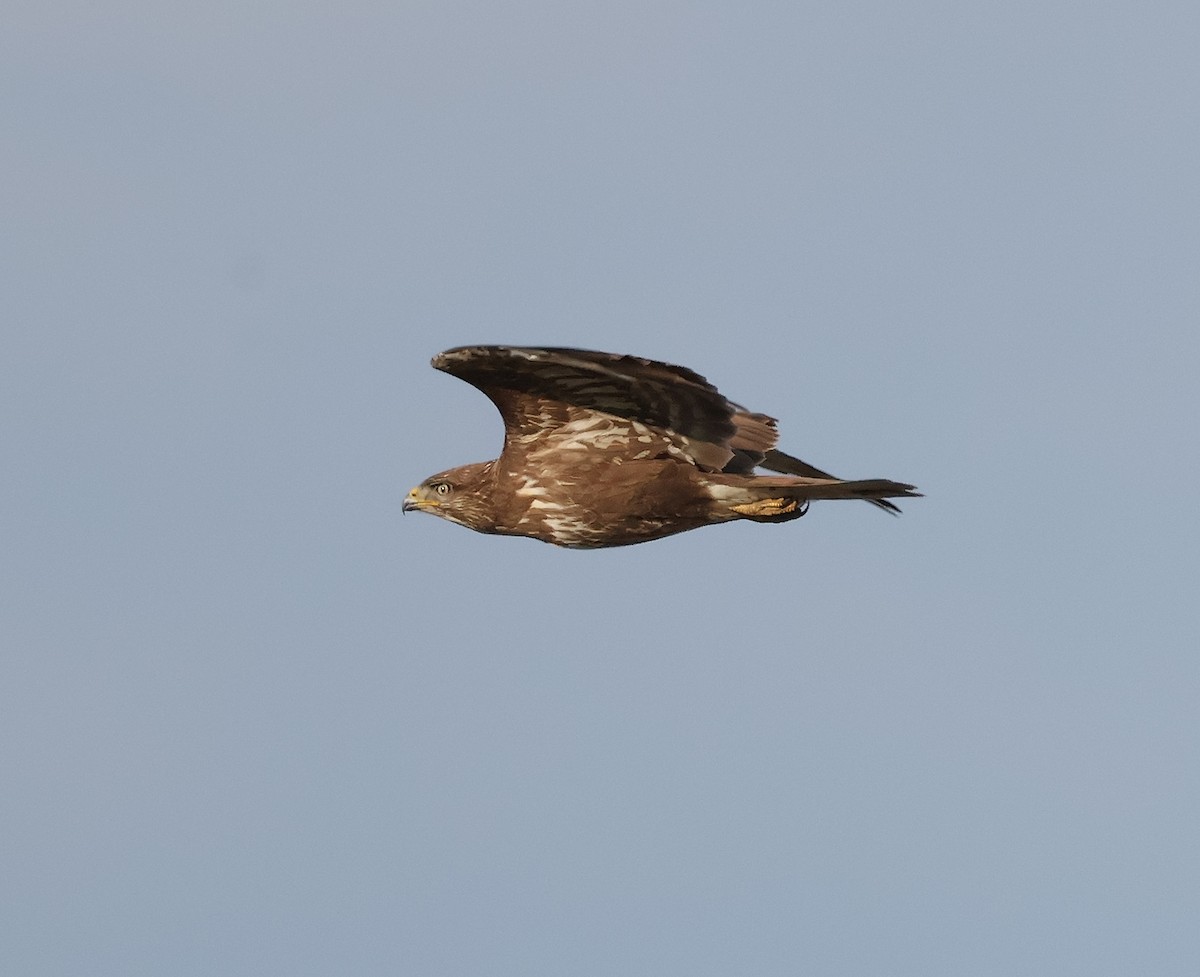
543,391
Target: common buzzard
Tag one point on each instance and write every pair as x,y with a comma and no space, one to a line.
606,450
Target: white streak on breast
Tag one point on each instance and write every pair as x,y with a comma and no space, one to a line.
531,487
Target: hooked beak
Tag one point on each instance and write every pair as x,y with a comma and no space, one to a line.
416,500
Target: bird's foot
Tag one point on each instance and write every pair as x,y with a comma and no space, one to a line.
772,508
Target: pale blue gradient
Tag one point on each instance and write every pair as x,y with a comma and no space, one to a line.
253,722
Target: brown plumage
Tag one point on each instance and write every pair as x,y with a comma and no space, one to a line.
606,450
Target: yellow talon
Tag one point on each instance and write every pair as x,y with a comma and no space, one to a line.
767,507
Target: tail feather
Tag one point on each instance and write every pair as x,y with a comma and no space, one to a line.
778,461
770,498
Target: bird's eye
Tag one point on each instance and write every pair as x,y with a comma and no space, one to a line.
442,488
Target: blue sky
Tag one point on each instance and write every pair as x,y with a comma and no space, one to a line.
252,721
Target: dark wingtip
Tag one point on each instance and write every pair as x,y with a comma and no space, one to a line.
448,356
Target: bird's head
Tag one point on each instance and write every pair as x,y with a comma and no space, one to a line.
461,495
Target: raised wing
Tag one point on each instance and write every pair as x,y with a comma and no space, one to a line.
568,398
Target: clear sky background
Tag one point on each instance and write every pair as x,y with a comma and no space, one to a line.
254,722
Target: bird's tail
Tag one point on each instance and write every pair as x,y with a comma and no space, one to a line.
785,464
766,498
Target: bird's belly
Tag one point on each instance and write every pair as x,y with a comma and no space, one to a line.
612,506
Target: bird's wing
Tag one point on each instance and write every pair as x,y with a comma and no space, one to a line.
624,406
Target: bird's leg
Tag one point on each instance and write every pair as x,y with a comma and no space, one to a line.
772,508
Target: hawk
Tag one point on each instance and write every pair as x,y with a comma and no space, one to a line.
602,449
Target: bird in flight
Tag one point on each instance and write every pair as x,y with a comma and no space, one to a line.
602,450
